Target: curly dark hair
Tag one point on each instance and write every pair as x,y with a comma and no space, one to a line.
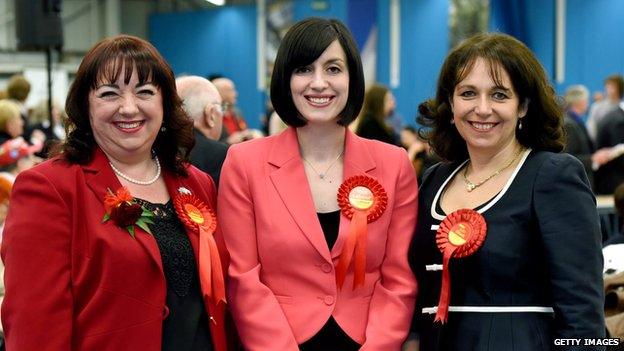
303,44
105,62
543,123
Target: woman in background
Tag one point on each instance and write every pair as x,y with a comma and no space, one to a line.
379,105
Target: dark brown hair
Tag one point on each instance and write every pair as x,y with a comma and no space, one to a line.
302,45
104,63
18,88
543,123
618,81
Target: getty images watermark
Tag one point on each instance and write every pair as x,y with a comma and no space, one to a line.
587,342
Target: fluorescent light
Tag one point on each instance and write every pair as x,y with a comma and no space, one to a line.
217,2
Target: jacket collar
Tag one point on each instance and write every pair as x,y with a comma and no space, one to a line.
100,177
290,181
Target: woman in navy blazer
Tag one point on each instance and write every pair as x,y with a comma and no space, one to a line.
281,215
101,248
537,275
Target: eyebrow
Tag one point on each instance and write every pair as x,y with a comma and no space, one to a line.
113,85
470,86
334,60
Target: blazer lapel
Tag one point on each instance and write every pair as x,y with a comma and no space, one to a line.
290,182
100,177
357,161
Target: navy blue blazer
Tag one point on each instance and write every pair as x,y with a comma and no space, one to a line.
543,248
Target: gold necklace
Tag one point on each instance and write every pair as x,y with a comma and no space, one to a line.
470,186
322,175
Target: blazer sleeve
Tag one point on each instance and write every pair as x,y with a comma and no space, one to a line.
36,250
258,316
392,304
573,144
569,227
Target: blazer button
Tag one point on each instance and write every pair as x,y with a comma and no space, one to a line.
329,300
326,267
165,312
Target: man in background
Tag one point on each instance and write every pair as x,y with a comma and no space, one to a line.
235,127
203,104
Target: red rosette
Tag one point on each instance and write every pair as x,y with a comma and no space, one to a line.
201,219
461,234
362,200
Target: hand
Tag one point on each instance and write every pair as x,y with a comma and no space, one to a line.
37,137
601,157
411,344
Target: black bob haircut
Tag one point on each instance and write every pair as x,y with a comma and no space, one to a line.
302,45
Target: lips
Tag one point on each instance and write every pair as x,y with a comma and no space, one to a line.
128,126
482,126
319,101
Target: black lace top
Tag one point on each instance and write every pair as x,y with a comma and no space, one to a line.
186,327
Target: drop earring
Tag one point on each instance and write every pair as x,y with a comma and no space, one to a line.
163,129
519,123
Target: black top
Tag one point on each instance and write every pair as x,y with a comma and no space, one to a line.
610,133
186,327
331,337
542,248
208,155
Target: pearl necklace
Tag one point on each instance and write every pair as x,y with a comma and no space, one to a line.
323,174
138,182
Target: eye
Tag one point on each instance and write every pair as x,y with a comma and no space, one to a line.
498,95
334,69
303,70
107,94
146,92
467,93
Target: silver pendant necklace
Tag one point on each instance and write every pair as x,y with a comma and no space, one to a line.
322,175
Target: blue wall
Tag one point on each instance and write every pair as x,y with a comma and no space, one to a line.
217,41
424,45
595,42
224,41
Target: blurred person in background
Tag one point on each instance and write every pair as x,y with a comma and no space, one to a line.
578,142
374,123
54,129
202,102
235,129
111,244
613,94
18,89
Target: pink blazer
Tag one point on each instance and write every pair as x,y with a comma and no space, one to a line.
75,283
282,286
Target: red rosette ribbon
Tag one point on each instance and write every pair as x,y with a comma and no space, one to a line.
461,234
199,218
361,199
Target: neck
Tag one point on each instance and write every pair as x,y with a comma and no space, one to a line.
136,167
321,142
489,160
205,131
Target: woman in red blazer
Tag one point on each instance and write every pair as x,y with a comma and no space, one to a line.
103,243
317,220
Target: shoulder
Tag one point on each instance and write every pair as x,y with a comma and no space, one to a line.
381,149
258,146
56,169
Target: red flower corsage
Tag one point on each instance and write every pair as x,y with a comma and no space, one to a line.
122,209
361,199
461,234
200,219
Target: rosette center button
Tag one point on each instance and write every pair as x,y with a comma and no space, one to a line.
329,300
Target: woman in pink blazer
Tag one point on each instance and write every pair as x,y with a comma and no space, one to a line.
317,220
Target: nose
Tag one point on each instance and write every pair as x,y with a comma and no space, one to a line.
318,81
483,106
128,106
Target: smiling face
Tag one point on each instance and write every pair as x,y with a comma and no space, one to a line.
320,90
125,118
486,113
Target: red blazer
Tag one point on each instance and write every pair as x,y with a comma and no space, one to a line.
75,283
282,286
